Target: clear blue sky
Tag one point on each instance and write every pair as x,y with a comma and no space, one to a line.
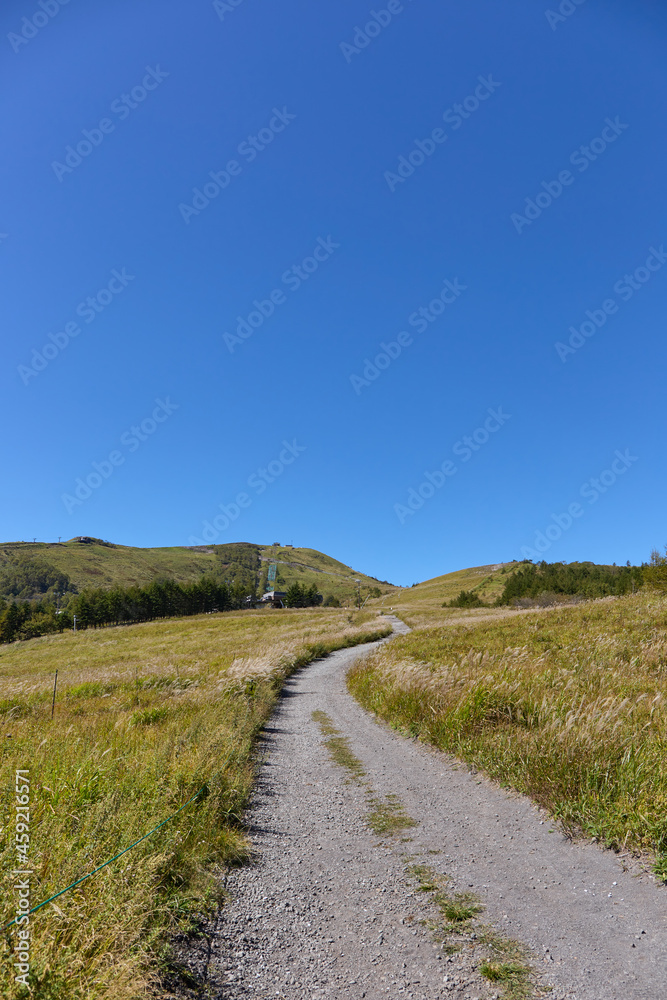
305,122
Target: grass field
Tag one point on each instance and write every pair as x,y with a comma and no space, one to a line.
145,716
565,705
98,565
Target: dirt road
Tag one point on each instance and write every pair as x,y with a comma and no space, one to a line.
331,910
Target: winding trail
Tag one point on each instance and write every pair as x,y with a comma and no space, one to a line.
329,910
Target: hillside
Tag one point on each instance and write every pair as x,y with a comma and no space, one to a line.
95,563
522,585
422,604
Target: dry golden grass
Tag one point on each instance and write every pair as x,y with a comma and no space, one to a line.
566,705
145,716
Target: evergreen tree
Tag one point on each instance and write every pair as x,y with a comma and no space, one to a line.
655,573
294,596
10,623
466,599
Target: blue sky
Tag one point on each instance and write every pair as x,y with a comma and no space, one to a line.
137,288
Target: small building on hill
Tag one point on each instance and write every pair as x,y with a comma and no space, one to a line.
274,598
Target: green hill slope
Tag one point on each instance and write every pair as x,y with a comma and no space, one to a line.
94,563
421,605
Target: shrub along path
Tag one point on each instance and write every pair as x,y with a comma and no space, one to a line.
346,899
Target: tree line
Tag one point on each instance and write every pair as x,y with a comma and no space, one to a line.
299,596
586,580
97,608
548,581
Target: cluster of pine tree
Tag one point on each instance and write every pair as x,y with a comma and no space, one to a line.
122,605
466,599
30,619
569,579
298,596
655,574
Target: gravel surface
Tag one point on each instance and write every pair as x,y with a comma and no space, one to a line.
329,909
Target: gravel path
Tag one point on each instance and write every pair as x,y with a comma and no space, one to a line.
330,910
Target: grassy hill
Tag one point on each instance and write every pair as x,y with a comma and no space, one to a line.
95,563
421,605
531,585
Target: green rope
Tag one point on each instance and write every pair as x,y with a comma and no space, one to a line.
115,858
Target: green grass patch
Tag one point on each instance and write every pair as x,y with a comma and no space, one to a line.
507,965
660,867
388,816
455,910
513,976
385,816
504,962
149,716
339,747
